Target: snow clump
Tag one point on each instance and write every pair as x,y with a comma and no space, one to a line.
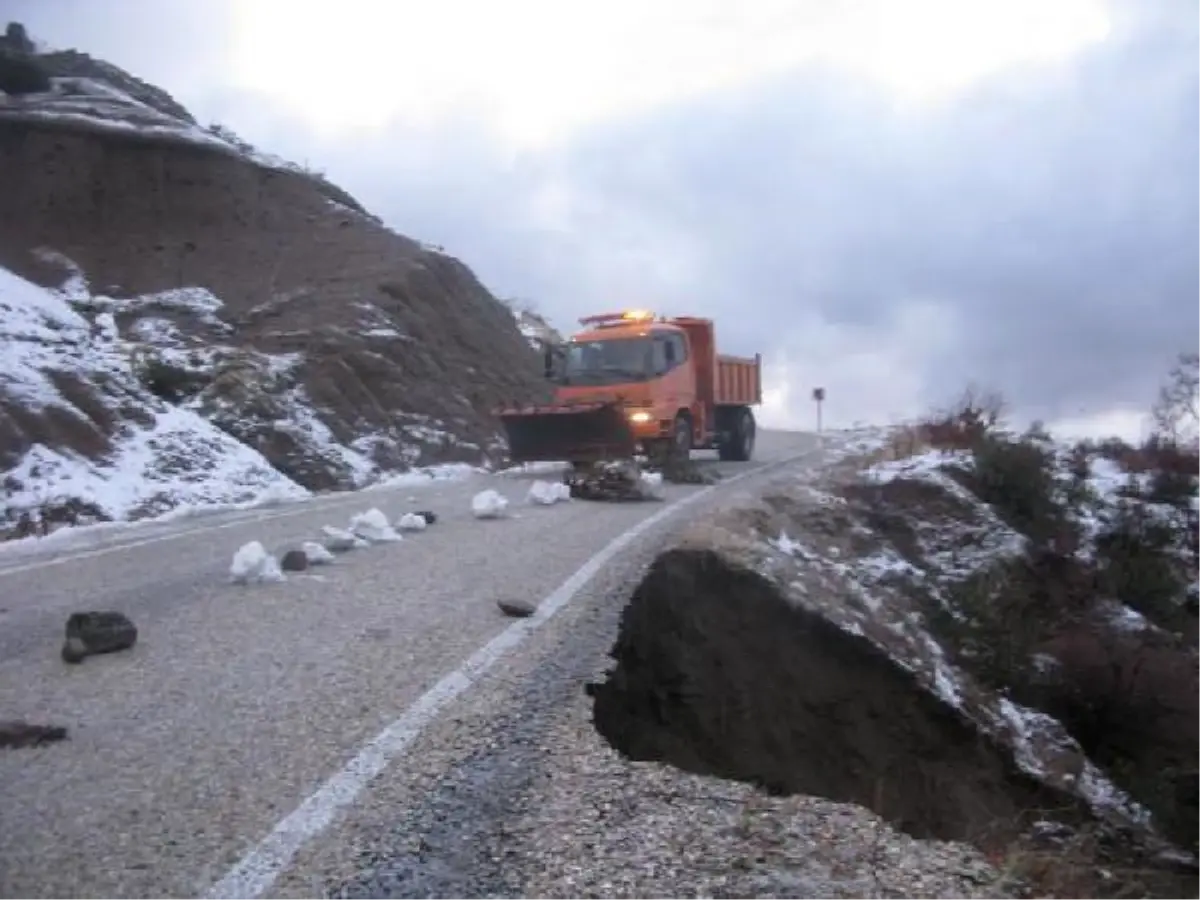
373,526
411,522
252,564
318,554
548,493
339,540
651,485
489,504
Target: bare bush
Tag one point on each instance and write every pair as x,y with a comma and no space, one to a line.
1177,410
977,413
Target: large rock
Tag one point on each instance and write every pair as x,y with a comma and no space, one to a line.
93,633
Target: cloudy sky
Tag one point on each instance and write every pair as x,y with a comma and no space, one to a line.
889,199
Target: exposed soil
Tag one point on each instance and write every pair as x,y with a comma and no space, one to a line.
719,674
402,351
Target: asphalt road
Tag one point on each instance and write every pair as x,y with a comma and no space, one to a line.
239,704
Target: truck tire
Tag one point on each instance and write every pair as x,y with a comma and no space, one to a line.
738,443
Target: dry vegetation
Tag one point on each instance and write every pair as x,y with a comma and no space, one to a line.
1094,622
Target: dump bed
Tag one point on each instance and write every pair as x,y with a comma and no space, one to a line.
738,381
721,380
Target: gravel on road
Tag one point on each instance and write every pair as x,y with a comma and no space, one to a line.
515,794
238,701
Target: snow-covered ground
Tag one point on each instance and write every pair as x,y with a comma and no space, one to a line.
62,355
100,105
168,458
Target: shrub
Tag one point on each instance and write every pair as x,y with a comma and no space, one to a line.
1130,700
169,382
1173,488
1016,477
1011,608
21,73
1173,471
1139,564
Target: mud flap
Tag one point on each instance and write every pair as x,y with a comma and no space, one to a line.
580,433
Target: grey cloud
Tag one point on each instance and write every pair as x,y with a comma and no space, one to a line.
1054,216
1039,235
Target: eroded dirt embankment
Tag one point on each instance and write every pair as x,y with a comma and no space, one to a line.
718,673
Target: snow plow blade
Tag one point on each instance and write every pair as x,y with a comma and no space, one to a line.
576,433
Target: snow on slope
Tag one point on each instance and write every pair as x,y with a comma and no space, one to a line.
164,457
843,571
96,104
533,327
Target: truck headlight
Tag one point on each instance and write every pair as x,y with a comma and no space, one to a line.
640,416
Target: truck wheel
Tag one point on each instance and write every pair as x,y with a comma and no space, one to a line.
738,445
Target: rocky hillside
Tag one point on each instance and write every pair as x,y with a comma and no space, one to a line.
981,636
205,322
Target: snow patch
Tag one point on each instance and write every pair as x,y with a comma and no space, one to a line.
252,564
785,544
547,493
411,522
178,462
340,540
650,484
534,468
318,554
173,460
373,526
488,504
445,472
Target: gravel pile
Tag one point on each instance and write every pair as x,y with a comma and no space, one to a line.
599,826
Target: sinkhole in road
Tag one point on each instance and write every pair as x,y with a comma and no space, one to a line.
717,673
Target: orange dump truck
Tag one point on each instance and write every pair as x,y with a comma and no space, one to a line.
633,382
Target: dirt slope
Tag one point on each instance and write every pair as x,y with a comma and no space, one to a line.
308,331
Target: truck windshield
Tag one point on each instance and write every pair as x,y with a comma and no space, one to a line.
608,362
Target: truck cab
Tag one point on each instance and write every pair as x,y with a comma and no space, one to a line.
676,393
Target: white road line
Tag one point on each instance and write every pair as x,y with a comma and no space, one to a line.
144,542
255,874
305,506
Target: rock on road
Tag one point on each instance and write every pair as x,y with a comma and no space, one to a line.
239,702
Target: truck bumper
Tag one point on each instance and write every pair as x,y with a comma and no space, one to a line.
646,427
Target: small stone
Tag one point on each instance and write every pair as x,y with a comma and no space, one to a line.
90,633
74,650
294,561
14,733
428,516
517,609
